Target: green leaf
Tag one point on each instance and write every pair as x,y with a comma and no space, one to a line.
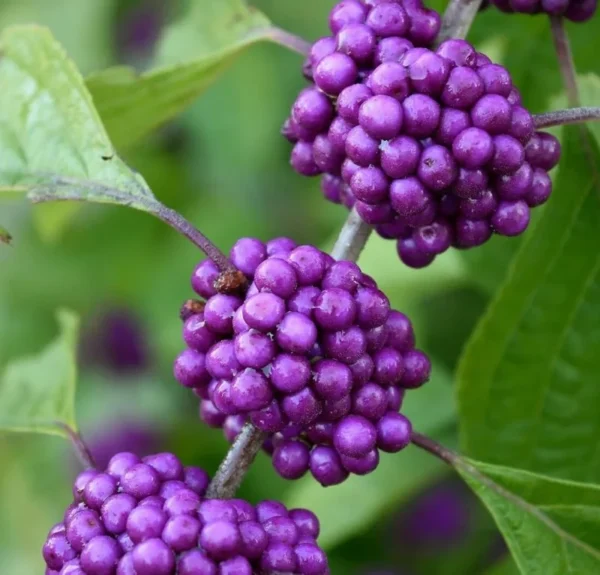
552,527
37,393
431,410
504,567
52,142
528,381
5,236
192,54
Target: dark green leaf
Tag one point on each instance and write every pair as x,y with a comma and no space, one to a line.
528,390
37,393
193,53
552,527
431,410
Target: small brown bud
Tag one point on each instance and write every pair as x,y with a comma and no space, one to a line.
231,282
191,307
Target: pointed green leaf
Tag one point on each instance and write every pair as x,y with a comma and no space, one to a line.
37,393
52,141
431,410
528,381
192,54
552,527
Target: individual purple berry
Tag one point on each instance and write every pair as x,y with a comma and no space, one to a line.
194,562
511,218
541,188
57,551
296,333
393,432
428,73
98,490
313,112
302,159
350,100
390,79
291,459
381,117
326,466
254,349
278,557
309,264
471,233
246,255
335,72
140,481
153,557
354,436
345,13
400,157
197,335
250,391
145,522
473,148
388,19
463,88
100,556
302,407
357,41
417,369
276,276
115,511
437,168
204,277
391,49
264,311
421,115
411,255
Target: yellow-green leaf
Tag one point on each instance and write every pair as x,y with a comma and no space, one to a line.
37,393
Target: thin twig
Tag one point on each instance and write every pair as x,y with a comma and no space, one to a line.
565,59
231,472
352,238
458,18
179,223
289,40
66,188
568,116
79,447
350,243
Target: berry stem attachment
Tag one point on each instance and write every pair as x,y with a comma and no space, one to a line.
568,116
565,59
289,40
79,446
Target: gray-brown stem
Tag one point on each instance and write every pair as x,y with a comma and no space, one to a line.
565,59
568,116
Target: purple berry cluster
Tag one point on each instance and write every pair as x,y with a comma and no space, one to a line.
433,148
311,355
150,517
575,10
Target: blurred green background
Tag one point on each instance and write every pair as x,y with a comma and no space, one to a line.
223,165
